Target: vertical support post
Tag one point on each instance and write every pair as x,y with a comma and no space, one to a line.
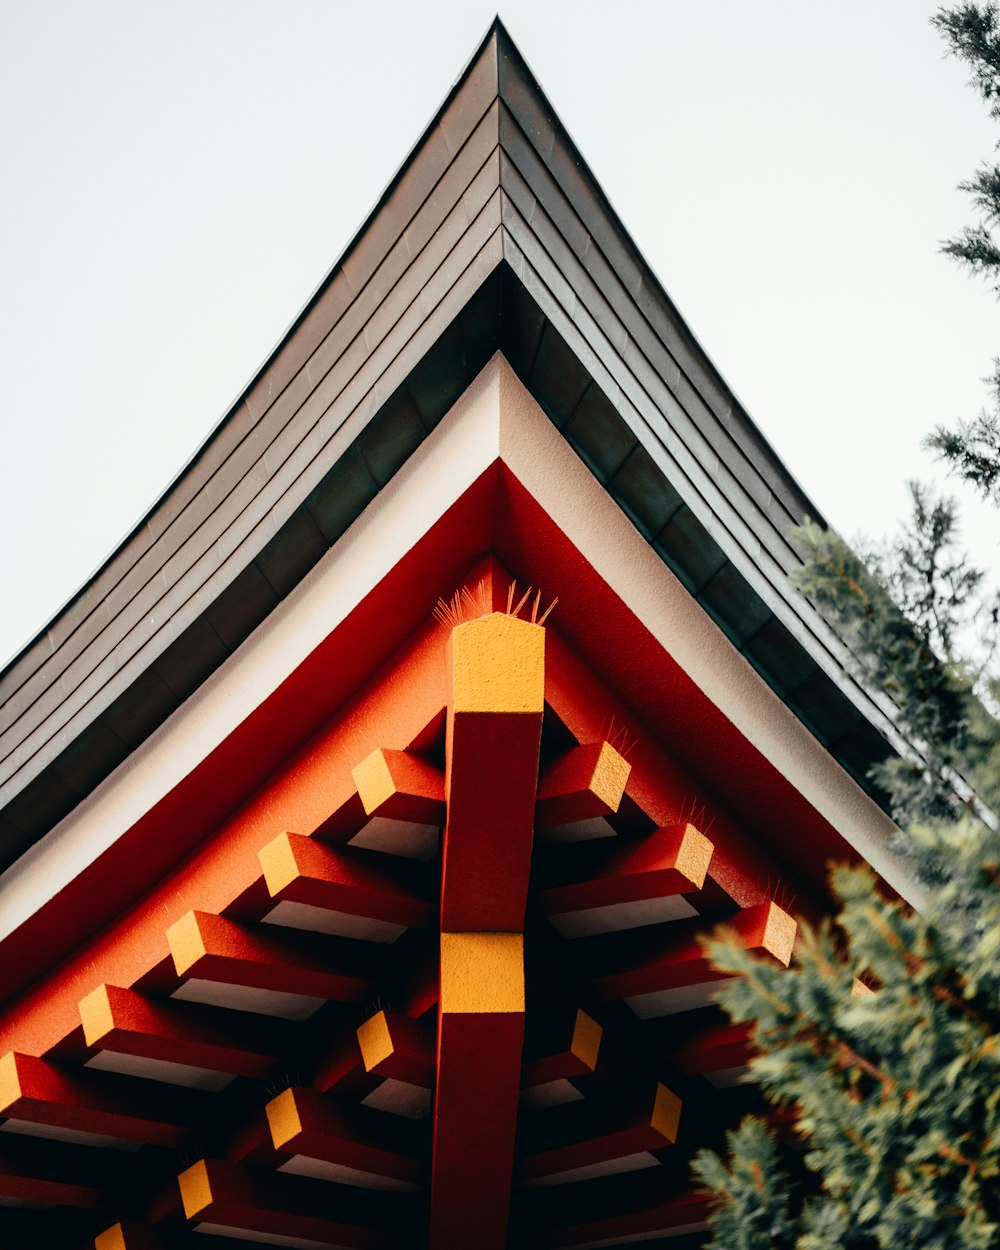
491,778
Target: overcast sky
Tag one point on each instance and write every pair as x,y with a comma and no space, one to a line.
179,176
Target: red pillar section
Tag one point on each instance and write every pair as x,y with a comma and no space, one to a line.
493,731
493,734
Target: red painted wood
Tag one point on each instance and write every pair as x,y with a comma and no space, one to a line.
475,1118
602,875
306,1123
188,1033
669,1217
266,957
493,770
218,1192
343,879
565,792
97,1102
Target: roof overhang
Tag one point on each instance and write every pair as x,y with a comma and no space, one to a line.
494,486
493,236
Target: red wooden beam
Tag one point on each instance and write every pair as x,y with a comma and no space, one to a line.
229,1199
713,1050
329,1142
310,968
398,785
393,1045
480,1036
121,1022
664,974
547,1080
389,1063
35,1092
623,1147
600,888
389,785
493,732
177,870
338,891
57,1174
585,783
401,797
724,1049
685,1213
340,1068
127,1235
657,784
399,1059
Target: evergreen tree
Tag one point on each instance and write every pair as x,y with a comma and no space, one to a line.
905,613
894,1089
882,1043
972,449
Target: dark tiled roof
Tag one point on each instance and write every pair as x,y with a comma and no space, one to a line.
493,236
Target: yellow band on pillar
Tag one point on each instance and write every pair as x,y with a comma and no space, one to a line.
482,972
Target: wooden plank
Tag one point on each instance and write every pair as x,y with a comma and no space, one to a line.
214,949
226,1198
34,1092
121,1021
330,1142
619,1147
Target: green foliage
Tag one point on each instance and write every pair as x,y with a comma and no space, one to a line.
754,1194
891,1095
972,449
902,614
972,33
895,1093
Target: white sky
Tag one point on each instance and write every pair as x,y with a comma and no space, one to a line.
177,177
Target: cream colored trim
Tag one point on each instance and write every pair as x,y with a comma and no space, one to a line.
464,445
545,464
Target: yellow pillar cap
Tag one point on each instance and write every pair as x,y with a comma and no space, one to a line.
498,665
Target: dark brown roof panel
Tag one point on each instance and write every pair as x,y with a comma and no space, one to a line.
264,473
194,492
715,493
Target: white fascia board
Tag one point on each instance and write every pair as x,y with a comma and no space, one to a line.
464,444
546,466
